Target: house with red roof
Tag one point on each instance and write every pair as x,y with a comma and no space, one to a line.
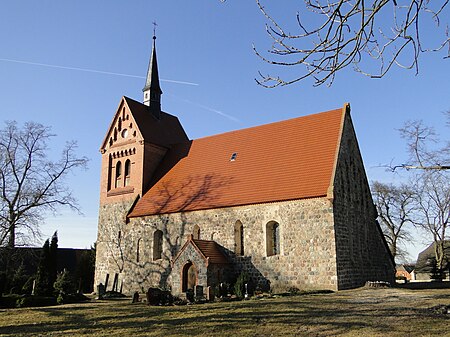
288,203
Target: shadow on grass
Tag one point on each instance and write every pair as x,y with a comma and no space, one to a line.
322,315
425,285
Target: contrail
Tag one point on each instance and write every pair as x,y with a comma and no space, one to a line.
234,119
90,70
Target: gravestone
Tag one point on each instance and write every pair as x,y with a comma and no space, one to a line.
106,281
209,294
101,291
154,296
190,295
223,290
198,293
135,297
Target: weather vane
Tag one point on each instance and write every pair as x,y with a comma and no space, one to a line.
154,29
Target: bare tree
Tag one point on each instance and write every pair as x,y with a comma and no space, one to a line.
370,36
433,209
431,182
395,207
30,183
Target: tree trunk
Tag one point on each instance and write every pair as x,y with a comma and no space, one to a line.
12,237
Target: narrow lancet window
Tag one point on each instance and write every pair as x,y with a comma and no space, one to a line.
196,232
272,238
239,238
118,174
127,172
157,244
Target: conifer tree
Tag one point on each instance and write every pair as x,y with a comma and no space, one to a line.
53,259
42,277
46,274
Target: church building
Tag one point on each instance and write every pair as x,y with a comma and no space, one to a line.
288,203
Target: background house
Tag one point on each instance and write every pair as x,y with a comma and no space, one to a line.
426,262
404,272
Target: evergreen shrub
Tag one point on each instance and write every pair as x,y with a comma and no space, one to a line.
239,286
35,301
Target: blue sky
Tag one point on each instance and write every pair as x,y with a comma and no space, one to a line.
44,44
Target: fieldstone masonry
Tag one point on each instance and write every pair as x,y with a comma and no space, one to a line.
362,253
307,257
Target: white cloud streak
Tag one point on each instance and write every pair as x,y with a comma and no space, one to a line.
223,114
90,70
232,118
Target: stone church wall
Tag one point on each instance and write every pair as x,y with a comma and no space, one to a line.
362,253
306,258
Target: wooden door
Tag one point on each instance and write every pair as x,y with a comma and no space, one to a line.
189,280
191,277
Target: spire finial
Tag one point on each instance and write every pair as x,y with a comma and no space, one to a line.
154,29
152,90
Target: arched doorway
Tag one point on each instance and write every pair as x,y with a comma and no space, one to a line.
189,276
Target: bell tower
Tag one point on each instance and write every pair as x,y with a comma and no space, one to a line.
152,90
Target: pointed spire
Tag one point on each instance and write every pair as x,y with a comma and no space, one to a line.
152,90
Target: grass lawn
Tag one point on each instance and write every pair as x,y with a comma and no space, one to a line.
360,312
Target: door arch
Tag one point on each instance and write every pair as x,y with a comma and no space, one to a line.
189,279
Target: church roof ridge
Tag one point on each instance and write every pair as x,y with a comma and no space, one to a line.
267,124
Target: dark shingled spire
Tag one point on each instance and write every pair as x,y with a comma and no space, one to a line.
152,90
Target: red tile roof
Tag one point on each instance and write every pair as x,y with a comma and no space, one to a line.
292,159
208,249
211,250
163,132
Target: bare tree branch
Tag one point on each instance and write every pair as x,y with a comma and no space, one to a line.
426,152
351,33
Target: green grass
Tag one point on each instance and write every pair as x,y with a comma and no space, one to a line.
360,312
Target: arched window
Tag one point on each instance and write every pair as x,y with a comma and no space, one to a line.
118,174
127,172
239,238
272,238
157,244
196,232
